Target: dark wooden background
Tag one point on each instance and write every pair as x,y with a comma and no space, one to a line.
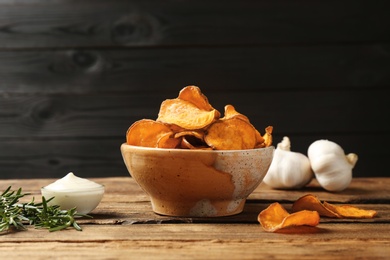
74,75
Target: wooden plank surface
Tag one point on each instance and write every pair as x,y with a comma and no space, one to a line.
194,241
222,69
55,158
35,157
102,116
148,23
124,202
363,190
75,75
124,227
82,133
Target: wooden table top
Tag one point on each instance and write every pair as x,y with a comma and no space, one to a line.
124,227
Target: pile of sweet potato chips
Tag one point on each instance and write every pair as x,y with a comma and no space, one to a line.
190,122
307,211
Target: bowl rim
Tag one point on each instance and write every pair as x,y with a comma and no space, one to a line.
73,190
196,150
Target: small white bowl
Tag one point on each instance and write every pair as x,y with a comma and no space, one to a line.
84,196
84,200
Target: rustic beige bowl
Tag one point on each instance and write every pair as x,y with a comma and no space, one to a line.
197,183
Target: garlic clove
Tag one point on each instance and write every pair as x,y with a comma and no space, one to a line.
288,170
332,168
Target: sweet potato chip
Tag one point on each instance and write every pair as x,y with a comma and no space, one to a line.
275,217
194,95
268,136
259,140
191,142
266,140
146,132
184,114
167,140
186,144
231,134
311,202
190,122
191,139
198,134
231,112
349,211
176,128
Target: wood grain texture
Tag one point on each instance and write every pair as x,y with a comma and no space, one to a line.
247,68
76,74
162,248
99,157
206,241
50,135
126,203
86,116
148,23
118,232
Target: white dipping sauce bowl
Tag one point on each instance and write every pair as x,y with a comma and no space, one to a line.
84,195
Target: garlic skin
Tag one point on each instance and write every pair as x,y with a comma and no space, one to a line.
332,168
288,170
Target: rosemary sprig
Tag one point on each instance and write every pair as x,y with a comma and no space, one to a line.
41,215
9,212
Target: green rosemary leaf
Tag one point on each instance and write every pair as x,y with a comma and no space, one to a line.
76,226
6,191
41,215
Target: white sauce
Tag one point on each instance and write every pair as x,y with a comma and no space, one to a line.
72,183
72,191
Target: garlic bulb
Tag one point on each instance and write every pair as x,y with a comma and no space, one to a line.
332,168
288,170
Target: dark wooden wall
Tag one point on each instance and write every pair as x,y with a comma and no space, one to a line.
74,75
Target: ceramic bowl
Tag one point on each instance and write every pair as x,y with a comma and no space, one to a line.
197,183
85,200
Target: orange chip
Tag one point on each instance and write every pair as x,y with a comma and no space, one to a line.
191,139
275,217
311,202
190,142
184,114
188,120
231,134
176,128
167,141
349,211
194,95
231,112
198,134
259,140
186,144
146,132
268,136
